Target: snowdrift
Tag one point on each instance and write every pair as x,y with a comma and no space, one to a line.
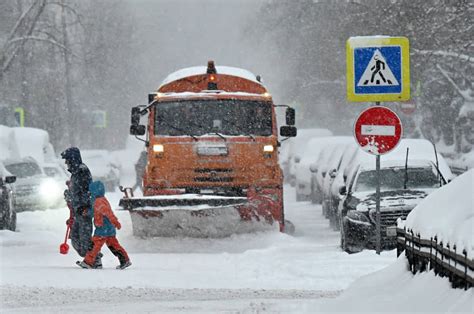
448,213
396,290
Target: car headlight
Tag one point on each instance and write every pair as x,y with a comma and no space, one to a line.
358,216
362,207
49,189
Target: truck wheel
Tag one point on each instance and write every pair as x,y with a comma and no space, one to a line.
289,227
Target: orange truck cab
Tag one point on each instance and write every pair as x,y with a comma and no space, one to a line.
212,140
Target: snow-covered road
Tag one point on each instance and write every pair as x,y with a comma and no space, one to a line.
249,273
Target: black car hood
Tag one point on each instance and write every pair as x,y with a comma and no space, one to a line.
392,200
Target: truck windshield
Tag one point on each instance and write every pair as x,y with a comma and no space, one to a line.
393,179
226,116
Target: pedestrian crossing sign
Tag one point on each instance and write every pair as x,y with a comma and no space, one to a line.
378,68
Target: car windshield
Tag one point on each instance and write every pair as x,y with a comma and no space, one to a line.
394,178
24,169
225,116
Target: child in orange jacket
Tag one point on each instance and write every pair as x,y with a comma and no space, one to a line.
105,223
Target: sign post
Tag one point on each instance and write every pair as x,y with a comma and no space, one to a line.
378,69
378,130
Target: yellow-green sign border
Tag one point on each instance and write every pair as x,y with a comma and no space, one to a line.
373,42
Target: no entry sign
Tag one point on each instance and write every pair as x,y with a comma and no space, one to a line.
378,130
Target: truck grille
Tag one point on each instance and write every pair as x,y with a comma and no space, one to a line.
389,218
213,175
209,170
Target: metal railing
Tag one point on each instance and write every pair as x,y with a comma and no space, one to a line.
444,259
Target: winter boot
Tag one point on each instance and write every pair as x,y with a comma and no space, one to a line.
84,265
98,261
124,265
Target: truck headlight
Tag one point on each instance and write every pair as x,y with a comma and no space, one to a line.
268,149
158,148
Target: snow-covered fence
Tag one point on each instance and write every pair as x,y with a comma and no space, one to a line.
430,254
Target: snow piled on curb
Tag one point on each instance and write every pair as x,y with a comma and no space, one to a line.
396,290
448,213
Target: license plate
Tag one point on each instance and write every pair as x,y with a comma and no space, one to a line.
391,231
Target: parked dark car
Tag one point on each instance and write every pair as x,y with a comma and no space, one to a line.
7,209
400,190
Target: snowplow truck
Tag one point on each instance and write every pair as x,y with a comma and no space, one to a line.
212,156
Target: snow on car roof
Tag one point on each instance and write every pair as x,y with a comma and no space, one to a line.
418,149
396,163
199,70
35,143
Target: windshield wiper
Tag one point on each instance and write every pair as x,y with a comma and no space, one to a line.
220,135
233,124
179,129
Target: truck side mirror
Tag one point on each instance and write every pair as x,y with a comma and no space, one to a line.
290,116
137,130
288,131
135,116
10,179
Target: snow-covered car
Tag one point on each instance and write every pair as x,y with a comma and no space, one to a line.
103,167
33,188
303,172
401,189
339,181
7,208
331,169
319,168
295,151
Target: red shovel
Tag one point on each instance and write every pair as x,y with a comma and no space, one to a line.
64,247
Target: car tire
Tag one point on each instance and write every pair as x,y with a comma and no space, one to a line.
12,224
337,222
347,248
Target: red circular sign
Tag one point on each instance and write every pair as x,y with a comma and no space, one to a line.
378,130
408,107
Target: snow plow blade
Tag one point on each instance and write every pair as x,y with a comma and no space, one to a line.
196,216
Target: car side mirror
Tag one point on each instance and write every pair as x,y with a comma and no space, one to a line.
10,179
343,190
288,131
313,168
290,116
